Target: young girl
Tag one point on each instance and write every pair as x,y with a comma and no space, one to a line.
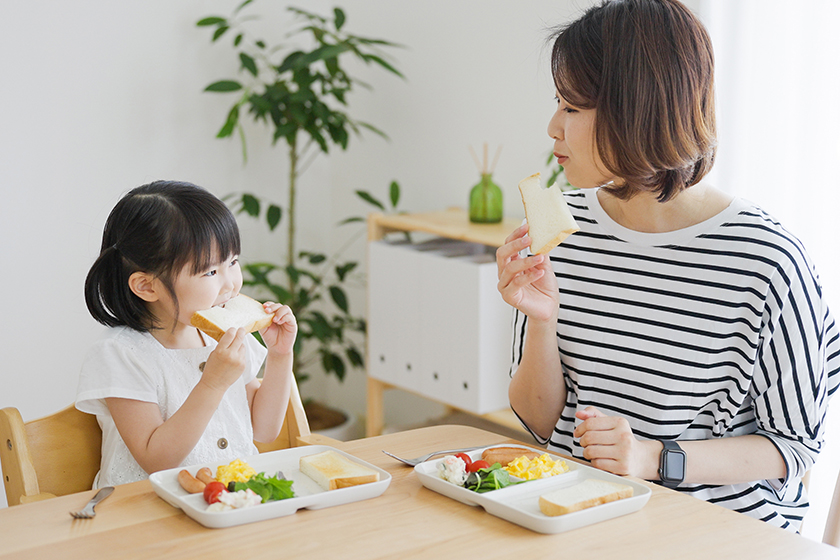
682,335
164,393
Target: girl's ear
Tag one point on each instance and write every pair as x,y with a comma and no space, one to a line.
145,286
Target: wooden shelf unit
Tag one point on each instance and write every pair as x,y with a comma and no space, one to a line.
453,224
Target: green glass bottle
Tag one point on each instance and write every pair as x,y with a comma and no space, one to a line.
486,201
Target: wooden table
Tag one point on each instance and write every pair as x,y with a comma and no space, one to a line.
407,521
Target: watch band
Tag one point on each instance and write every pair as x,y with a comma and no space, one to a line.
671,464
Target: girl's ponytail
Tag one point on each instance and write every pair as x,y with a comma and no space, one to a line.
108,297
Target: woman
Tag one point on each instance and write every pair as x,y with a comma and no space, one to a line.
681,335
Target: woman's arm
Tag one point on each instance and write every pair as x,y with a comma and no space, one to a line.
537,391
270,399
610,445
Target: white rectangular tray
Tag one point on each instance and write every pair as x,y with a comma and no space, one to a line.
307,492
520,503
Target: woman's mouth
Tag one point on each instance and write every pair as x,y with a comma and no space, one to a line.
561,159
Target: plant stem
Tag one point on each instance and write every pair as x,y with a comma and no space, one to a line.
290,257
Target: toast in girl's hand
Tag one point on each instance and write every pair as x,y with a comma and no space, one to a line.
239,312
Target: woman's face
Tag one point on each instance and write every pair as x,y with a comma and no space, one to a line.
573,131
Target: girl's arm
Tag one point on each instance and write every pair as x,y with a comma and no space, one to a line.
610,445
158,445
537,392
270,399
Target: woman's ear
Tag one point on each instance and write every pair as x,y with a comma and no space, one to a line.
145,286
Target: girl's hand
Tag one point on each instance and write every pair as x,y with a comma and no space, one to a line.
227,362
609,444
279,337
528,284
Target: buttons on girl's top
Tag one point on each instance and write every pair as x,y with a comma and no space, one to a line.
222,443
201,366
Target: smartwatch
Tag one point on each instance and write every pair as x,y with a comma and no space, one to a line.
671,464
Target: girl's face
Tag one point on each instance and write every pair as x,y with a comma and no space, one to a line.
573,131
209,288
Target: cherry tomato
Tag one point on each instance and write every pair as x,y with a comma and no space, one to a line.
212,491
475,465
465,458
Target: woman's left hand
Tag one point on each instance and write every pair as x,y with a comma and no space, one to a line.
279,337
609,444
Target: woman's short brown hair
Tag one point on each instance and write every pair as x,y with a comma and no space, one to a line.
647,67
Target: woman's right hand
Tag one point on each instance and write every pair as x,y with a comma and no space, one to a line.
528,284
226,362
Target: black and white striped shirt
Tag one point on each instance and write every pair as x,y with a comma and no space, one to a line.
716,330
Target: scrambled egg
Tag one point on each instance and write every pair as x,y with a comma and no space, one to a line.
237,471
540,467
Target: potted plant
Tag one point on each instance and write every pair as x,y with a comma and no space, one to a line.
300,93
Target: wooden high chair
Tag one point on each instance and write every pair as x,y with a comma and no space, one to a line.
60,454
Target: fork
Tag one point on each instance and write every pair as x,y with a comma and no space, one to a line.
422,458
87,512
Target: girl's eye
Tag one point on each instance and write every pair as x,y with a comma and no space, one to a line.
235,261
211,273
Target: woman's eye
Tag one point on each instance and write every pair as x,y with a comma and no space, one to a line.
569,110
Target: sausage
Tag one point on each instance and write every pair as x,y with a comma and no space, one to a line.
505,455
205,475
190,483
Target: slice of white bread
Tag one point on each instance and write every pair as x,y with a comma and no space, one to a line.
240,311
549,219
589,493
332,470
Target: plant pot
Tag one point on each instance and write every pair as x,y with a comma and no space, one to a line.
331,422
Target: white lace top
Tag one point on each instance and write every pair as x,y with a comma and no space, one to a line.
133,365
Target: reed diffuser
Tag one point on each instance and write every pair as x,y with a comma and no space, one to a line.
486,196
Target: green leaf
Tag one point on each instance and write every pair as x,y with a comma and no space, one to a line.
343,270
273,216
251,205
370,199
260,44
351,220
248,63
355,357
212,20
230,124
242,5
220,31
383,63
224,86
340,18
339,297
395,194
316,258
373,129
332,362
237,40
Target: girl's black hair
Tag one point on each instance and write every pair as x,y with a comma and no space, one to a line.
159,229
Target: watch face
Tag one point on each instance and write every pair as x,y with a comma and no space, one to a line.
674,466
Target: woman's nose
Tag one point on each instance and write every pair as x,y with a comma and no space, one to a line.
555,126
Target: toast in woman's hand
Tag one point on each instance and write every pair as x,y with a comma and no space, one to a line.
239,312
549,219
